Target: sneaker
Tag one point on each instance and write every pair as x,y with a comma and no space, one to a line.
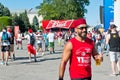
2,63
37,53
30,60
119,73
35,60
53,52
43,53
14,58
50,52
113,75
17,48
6,64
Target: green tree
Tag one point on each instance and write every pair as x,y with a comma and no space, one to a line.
22,21
63,9
25,19
15,19
4,11
35,23
5,21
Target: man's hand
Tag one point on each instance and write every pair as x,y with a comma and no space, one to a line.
99,56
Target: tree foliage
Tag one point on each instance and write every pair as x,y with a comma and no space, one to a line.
63,9
23,16
5,21
4,11
35,23
5,17
22,21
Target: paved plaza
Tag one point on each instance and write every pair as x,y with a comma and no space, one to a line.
47,67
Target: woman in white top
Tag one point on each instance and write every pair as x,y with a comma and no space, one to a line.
19,40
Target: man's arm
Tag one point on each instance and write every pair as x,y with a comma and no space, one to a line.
65,57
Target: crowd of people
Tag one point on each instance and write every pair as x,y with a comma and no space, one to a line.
36,42
89,43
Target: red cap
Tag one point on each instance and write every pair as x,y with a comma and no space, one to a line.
79,22
9,30
30,30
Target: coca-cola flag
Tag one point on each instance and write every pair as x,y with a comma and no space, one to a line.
57,24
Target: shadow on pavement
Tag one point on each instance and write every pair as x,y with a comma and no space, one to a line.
32,62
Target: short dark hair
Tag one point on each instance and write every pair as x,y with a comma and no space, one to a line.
113,26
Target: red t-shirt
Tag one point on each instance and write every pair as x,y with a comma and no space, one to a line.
80,61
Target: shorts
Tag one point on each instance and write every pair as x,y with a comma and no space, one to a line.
89,78
39,45
11,47
114,56
46,45
31,49
19,42
5,48
51,44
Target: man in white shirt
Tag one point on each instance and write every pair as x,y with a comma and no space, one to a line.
19,40
31,46
51,37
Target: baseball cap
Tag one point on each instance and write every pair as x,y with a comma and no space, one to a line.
30,30
79,21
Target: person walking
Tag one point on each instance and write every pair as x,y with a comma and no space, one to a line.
5,46
79,55
31,37
11,52
19,40
39,41
113,39
46,40
51,37
98,42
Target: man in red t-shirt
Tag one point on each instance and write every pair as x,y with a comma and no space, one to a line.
78,51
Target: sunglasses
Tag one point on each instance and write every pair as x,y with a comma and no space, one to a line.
81,28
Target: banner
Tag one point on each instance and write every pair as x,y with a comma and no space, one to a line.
108,13
16,29
57,24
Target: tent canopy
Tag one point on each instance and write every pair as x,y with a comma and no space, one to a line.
48,24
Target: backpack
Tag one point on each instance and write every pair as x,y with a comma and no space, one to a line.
5,36
32,39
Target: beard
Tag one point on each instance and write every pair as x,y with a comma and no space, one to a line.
83,35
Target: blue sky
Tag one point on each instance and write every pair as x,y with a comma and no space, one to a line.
92,15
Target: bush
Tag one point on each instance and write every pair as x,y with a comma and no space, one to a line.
5,21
